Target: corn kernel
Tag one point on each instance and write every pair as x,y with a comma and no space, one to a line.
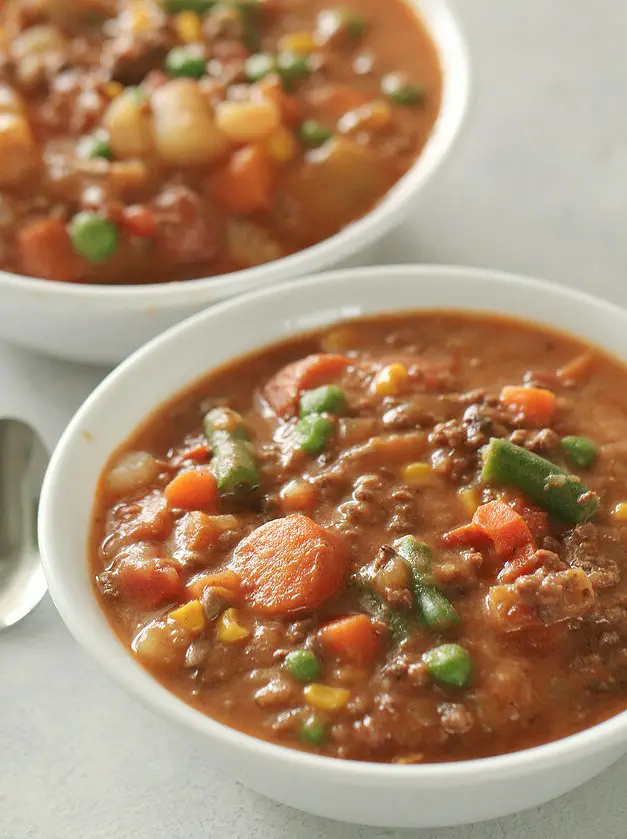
247,122
138,17
326,698
282,145
620,511
470,498
113,89
391,380
299,42
188,27
228,628
417,473
191,616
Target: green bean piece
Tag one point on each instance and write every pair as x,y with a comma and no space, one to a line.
291,66
581,451
435,609
312,433
314,134
233,463
200,7
401,91
260,65
449,664
303,665
553,488
93,236
328,399
185,62
250,16
313,731
397,621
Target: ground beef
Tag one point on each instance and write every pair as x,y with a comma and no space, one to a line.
129,58
456,718
596,552
545,442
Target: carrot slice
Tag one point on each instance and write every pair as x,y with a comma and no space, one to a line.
352,639
45,251
524,561
290,565
283,390
468,535
246,184
506,529
194,489
536,404
578,369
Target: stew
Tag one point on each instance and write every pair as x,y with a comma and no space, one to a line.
146,141
399,539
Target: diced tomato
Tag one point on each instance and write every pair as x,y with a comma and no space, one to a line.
139,221
525,561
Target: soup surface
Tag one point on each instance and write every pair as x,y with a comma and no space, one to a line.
145,141
399,539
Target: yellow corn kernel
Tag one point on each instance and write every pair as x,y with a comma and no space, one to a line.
138,17
113,89
247,122
188,27
282,145
620,511
416,473
228,628
391,380
300,42
190,616
326,698
470,498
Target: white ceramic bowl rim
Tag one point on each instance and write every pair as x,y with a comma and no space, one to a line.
445,30
122,667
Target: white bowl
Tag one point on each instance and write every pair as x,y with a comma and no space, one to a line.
103,324
375,794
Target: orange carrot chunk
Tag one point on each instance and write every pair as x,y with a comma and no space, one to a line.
536,404
578,369
290,565
506,529
283,390
45,250
526,560
246,184
352,639
195,489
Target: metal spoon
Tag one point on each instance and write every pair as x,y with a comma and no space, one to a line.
23,461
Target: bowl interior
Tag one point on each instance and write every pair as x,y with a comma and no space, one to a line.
189,350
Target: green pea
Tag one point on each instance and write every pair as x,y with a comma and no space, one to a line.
260,65
580,451
328,399
312,432
337,22
314,134
95,146
185,62
292,67
396,87
93,237
312,731
303,665
200,7
449,664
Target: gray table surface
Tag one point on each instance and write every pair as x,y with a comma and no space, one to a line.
538,185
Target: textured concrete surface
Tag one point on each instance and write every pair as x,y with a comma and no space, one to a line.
538,186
